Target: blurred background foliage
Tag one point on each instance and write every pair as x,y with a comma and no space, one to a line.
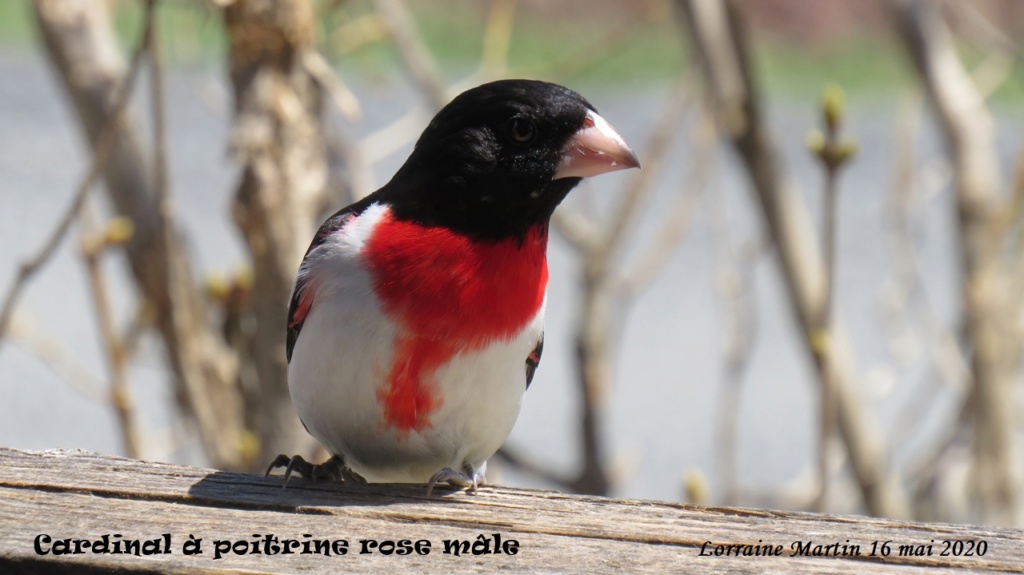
607,40
909,434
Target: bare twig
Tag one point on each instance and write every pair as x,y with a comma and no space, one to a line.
680,215
969,133
279,142
736,287
982,30
59,359
600,293
1000,50
391,138
908,294
358,181
497,38
156,83
363,31
1006,219
84,52
638,192
833,155
1011,212
340,94
908,291
515,459
721,40
101,155
415,55
579,60
600,284
94,245
580,232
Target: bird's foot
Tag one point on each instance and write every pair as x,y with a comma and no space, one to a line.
456,479
333,469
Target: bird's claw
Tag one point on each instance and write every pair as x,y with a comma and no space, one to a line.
456,478
333,469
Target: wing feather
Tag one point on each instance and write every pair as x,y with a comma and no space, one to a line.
302,297
533,360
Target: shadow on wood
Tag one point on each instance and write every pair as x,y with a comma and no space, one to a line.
155,513
244,491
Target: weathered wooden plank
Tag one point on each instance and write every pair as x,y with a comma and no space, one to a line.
75,494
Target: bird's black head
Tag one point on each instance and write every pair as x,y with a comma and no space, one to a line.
500,157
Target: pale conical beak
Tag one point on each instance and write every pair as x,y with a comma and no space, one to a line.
595,149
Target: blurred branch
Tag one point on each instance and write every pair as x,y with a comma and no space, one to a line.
497,38
426,74
357,181
969,134
58,359
1011,212
997,65
577,61
94,244
581,233
103,149
1006,218
415,54
833,154
394,136
363,31
735,286
982,30
676,224
638,192
158,111
84,53
523,464
600,285
279,142
605,242
720,39
342,97
907,290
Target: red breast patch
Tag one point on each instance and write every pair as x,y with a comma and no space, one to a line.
448,294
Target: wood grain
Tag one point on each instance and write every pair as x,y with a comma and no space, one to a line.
77,494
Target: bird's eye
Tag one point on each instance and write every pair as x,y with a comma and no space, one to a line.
522,131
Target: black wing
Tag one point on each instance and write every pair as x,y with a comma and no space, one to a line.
301,301
533,360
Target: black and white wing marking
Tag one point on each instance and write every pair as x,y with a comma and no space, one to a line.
302,299
533,360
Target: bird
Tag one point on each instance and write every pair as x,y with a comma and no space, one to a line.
416,324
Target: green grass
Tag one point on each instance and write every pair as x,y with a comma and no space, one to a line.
653,52
17,27
861,66
590,48
188,31
866,66
536,47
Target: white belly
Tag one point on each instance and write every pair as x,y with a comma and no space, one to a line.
339,368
